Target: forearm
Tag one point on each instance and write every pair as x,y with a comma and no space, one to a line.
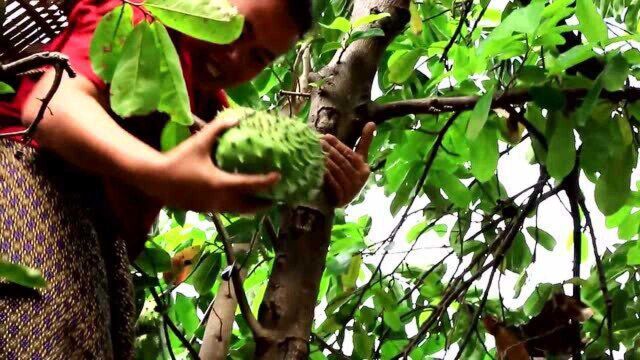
79,130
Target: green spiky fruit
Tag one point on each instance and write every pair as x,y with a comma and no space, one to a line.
264,142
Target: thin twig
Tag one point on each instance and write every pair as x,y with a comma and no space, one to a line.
257,329
456,33
478,313
60,64
601,274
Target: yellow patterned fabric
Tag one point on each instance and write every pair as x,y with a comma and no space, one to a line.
51,219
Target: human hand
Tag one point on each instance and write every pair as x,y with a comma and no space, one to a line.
191,181
347,170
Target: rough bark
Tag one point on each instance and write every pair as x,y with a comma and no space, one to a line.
287,310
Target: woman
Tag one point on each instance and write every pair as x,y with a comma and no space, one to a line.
55,216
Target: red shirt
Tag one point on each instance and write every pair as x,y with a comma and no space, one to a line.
74,42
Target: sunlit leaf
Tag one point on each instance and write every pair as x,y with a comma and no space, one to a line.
340,23
174,99
479,115
135,87
21,275
5,88
109,39
368,19
214,21
484,154
591,23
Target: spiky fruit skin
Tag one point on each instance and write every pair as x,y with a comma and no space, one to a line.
264,142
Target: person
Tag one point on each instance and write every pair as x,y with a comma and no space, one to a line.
92,181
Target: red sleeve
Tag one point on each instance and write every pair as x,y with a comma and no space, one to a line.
75,40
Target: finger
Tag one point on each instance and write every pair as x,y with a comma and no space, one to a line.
213,130
339,175
338,145
250,184
365,140
340,159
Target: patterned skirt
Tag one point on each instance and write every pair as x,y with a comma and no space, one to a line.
52,219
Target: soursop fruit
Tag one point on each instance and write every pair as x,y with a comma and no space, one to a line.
264,142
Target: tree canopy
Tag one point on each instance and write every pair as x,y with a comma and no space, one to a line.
457,86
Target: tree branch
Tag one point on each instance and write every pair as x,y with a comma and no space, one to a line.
437,105
601,274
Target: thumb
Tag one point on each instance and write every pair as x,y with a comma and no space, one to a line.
365,140
210,133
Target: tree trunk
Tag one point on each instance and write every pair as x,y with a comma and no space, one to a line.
287,310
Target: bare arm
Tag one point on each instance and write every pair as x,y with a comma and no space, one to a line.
83,133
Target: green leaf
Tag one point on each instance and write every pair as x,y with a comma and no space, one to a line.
616,219
479,115
392,319
135,89
363,344
591,23
613,186
330,46
589,102
615,73
548,97
561,156
206,274
185,313
391,348
542,237
415,23
572,57
522,279
456,191
524,20
108,40
630,227
518,256
21,275
154,260
402,64
633,255
416,231
215,21
340,23
172,135
351,276
484,154
365,34
174,100
368,19
5,89
536,300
